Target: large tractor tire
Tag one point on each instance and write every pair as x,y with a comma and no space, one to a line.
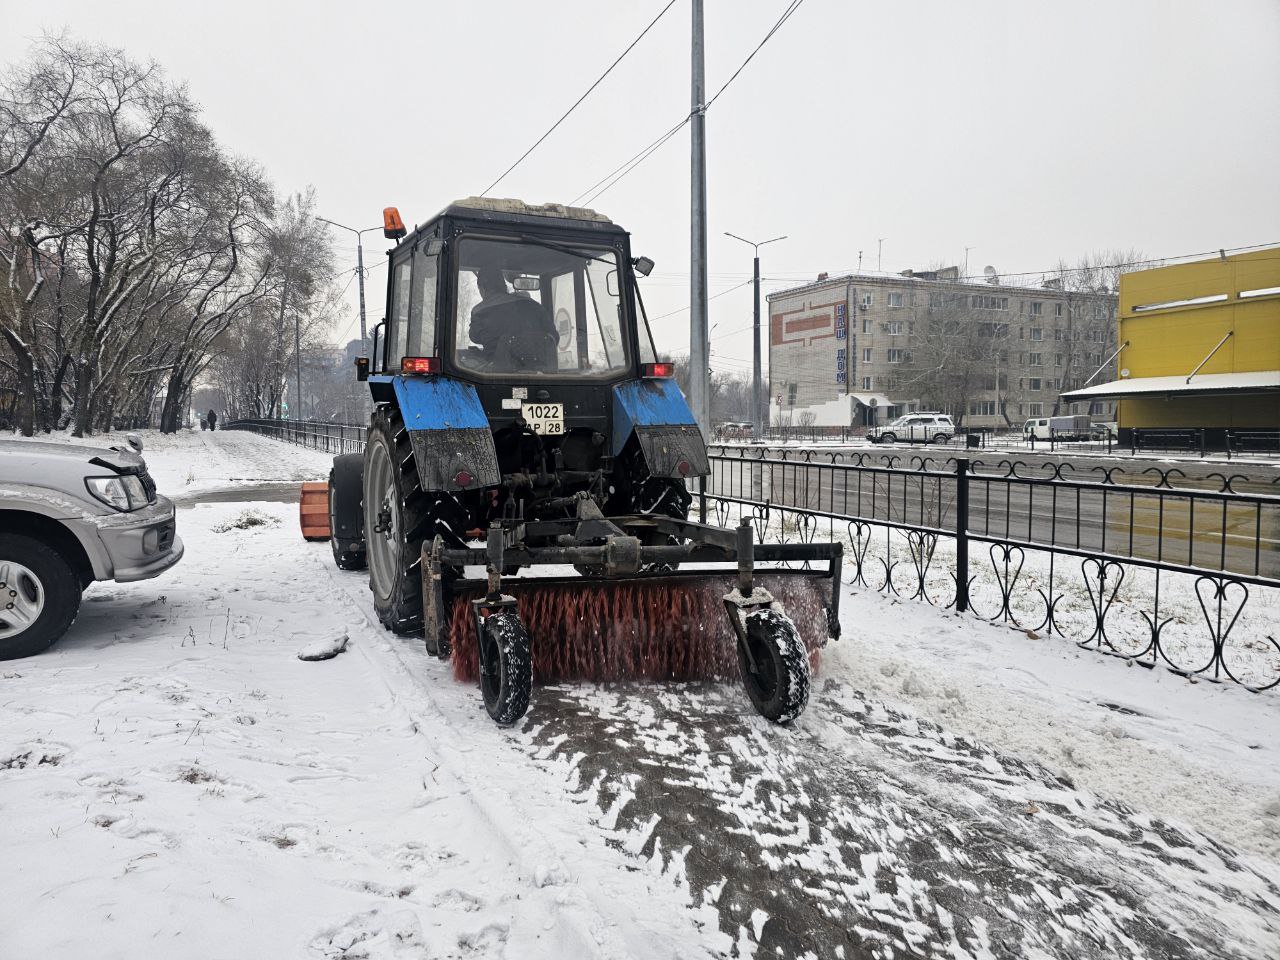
346,511
399,516
396,515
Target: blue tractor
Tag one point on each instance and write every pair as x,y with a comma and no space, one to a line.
524,423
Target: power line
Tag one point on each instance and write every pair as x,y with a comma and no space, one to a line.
611,180
786,15
1052,271
1047,272
577,102
629,165
737,286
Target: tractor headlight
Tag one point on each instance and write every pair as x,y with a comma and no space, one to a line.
122,493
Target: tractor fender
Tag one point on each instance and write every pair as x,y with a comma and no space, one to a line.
658,415
448,431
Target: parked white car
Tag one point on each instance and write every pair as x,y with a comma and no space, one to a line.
916,428
70,515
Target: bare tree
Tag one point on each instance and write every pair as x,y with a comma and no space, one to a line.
957,354
131,246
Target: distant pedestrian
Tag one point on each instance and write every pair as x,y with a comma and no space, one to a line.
213,420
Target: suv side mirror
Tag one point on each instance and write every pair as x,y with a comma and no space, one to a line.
362,369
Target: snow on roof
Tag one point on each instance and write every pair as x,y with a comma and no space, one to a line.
500,205
1007,285
1200,383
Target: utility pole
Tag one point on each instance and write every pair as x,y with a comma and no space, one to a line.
879,252
364,335
757,416
297,358
699,343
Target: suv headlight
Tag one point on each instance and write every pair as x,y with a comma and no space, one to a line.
123,493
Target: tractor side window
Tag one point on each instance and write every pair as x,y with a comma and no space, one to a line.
605,309
398,335
422,309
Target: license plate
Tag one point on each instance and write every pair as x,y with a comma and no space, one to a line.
544,418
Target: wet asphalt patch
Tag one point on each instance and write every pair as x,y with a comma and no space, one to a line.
864,832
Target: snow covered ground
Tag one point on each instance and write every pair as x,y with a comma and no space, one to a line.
175,782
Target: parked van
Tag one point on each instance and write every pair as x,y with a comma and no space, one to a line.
1077,427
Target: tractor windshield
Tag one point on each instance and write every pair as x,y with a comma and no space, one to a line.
537,309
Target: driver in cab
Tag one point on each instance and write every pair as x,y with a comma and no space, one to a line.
513,330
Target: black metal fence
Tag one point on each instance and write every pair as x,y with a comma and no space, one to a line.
1155,567
1146,564
332,438
1187,442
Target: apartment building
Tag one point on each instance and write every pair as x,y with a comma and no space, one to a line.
991,353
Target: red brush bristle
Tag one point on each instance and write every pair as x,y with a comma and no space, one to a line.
632,630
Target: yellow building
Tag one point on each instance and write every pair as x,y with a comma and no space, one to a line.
1199,346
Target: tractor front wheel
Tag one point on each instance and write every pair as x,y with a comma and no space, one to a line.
779,685
506,667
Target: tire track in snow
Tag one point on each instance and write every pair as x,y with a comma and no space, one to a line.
509,792
867,833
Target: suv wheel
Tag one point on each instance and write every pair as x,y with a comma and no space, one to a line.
941,438
39,596
888,437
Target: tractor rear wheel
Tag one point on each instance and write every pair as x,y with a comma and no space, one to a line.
396,516
506,667
779,686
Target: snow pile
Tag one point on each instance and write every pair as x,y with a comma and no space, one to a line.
192,461
1179,749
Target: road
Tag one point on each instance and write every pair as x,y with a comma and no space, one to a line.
1134,518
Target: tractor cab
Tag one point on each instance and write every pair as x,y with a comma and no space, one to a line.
533,306
515,345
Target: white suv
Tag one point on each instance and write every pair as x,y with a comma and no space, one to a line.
70,515
916,428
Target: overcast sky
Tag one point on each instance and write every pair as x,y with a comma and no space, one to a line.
1027,131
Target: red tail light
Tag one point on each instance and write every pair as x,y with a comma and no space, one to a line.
658,370
420,365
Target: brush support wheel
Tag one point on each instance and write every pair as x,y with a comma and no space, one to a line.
506,667
779,686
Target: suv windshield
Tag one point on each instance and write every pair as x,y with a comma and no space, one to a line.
537,310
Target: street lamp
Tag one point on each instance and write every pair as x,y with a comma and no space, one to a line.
757,419
359,270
